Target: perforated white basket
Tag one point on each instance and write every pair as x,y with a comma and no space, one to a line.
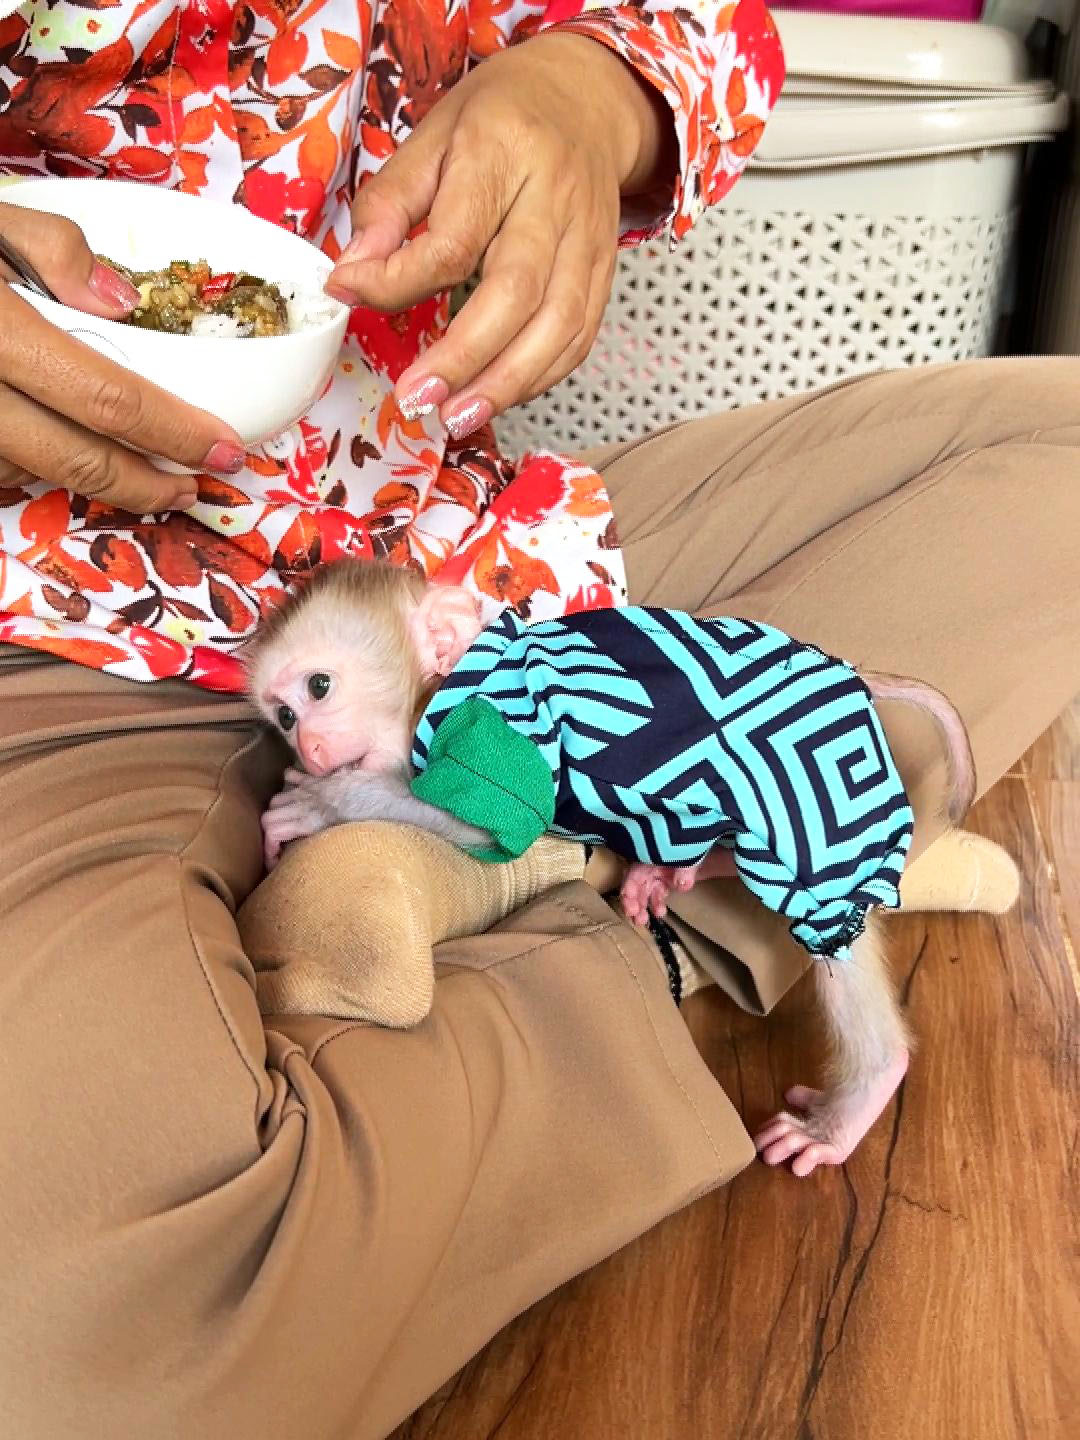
870,233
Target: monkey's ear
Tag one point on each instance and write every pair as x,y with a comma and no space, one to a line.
445,623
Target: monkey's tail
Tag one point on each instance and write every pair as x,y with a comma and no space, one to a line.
959,761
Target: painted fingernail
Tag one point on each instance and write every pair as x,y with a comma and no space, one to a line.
109,285
225,457
469,418
424,399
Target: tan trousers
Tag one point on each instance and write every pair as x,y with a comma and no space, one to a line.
218,1228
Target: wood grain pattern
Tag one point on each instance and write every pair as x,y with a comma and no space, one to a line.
931,1288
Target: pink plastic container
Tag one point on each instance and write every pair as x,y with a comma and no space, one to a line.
890,9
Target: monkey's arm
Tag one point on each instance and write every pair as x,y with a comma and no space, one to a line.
387,795
310,803
489,774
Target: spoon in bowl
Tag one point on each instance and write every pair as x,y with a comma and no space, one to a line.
25,272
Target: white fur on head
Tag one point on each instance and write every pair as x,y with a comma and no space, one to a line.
350,617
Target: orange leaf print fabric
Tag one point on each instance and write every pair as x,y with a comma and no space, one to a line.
430,46
47,517
287,106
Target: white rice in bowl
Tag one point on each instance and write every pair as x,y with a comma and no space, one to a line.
307,310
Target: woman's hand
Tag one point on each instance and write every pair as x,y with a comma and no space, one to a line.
519,169
64,408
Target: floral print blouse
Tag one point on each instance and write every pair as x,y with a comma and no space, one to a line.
286,106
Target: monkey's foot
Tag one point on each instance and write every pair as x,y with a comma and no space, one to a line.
823,1127
645,889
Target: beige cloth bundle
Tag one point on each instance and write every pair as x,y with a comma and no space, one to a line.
346,924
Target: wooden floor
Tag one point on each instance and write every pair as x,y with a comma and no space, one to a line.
929,1289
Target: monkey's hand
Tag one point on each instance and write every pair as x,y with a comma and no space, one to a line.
310,803
297,810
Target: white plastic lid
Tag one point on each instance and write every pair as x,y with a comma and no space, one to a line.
801,136
921,54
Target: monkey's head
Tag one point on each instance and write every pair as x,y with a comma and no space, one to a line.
339,670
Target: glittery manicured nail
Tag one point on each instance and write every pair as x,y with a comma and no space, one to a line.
424,399
469,418
109,285
225,457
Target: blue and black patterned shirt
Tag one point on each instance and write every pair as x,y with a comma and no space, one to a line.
666,736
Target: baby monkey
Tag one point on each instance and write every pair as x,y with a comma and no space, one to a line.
689,747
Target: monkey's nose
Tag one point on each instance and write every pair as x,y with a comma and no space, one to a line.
315,757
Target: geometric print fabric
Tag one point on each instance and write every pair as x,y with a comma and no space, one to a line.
668,735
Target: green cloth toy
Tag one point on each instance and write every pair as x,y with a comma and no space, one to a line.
491,776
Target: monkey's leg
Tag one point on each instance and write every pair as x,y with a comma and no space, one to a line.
869,1045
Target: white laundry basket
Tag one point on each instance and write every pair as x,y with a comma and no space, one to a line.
874,229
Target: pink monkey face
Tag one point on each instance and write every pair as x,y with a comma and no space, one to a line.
329,721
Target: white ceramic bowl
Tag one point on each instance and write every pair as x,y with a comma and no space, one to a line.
259,386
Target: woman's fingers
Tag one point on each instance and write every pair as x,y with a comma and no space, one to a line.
58,250
50,447
386,210
536,351
578,348
501,175
103,399
466,213
523,287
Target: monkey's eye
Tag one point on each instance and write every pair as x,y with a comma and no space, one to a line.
318,686
286,718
